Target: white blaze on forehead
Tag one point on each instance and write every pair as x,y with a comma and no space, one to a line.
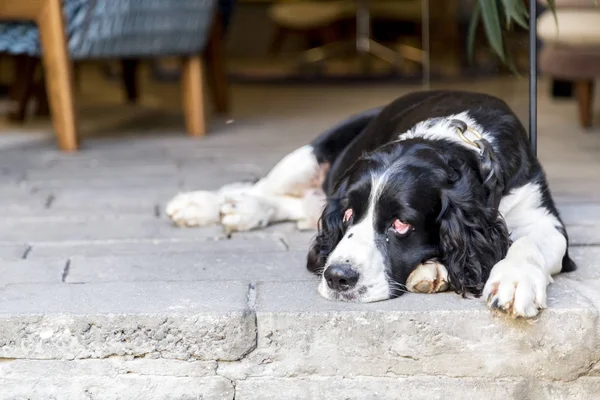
359,249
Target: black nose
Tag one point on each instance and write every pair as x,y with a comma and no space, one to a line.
341,277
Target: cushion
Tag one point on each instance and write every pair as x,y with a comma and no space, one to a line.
569,63
308,15
121,28
574,3
575,27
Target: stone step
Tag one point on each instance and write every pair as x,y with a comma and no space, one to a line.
266,337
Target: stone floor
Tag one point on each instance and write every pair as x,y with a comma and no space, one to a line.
100,296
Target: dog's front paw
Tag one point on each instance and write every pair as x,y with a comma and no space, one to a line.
516,288
429,277
198,208
243,212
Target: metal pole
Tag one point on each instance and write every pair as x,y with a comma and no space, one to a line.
425,44
533,75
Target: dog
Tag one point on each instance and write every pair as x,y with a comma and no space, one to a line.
437,190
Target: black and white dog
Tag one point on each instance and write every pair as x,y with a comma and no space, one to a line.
437,190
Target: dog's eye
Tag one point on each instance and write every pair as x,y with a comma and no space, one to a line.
401,228
348,215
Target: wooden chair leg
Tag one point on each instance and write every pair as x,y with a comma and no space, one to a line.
217,68
281,34
129,68
58,72
42,108
193,95
585,96
23,86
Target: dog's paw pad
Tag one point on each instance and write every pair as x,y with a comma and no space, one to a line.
429,277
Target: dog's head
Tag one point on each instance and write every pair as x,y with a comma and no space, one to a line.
407,203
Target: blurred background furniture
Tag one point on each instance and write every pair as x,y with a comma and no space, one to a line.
572,52
319,17
315,20
128,30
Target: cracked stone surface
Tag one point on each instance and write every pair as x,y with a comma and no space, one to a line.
101,297
185,320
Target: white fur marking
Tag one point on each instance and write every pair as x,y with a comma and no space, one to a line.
518,283
358,248
440,128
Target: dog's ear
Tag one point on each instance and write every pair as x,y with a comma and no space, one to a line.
473,237
490,174
331,231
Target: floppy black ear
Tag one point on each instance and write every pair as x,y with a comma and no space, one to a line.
491,174
473,237
331,231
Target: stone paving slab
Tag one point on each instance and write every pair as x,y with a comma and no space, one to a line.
416,387
379,388
301,334
189,267
122,387
13,251
575,190
177,320
586,213
27,213
140,247
166,181
587,259
105,170
117,365
76,199
102,228
22,203
583,235
27,271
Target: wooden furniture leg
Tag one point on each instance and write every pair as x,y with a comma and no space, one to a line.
217,67
129,68
193,96
41,99
585,96
279,37
58,71
23,85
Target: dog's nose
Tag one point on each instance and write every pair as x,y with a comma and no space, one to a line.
341,277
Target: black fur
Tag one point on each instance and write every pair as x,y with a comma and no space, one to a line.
449,193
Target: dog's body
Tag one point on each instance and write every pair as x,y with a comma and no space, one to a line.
438,189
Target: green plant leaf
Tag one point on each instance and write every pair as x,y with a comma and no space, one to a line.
510,62
475,17
491,23
515,10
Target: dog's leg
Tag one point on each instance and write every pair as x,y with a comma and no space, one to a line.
517,284
280,195
247,211
290,192
201,207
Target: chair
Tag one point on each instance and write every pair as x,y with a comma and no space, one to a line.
571,49
120,29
